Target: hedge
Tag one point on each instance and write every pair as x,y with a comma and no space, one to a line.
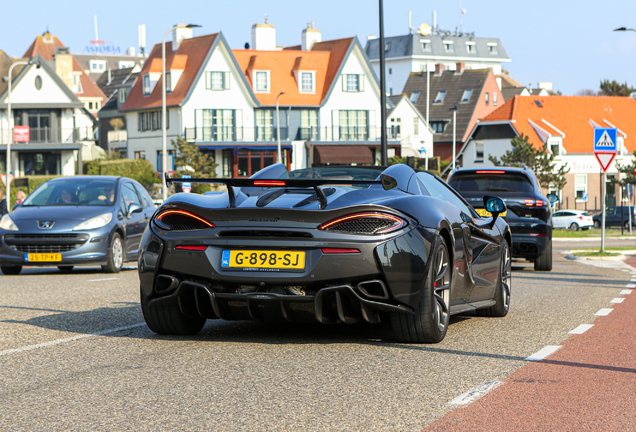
136,169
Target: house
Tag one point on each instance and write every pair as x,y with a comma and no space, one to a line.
319,99
474,93
565,124
96,63
407,124
116,85
61,128
422,50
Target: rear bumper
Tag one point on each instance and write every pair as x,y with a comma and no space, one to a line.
529,246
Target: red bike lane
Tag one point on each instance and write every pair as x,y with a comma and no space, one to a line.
589,384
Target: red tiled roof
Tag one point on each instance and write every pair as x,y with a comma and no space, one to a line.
570,115
194,50
325,58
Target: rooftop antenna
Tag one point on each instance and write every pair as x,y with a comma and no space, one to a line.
410,27
434,21
142,39
96,35
461,13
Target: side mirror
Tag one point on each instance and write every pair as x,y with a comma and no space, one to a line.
134,208
495,206
553,198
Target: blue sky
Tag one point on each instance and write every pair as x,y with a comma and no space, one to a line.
568,42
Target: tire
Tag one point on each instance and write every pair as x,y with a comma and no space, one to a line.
167,319
11,270
544,261
65,269
430,321
115,255
626,226
504,285
597,224
574,226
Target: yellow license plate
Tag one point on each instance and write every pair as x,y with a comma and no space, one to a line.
43,257
485,213
263,259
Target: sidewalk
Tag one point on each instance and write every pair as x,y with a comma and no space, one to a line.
589,384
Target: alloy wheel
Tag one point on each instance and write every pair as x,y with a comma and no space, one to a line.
117,252
506,276
441,287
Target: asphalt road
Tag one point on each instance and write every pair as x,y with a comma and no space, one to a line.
65,366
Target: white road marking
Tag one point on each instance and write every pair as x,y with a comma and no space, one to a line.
71,339
626,291
604,312
543,353
581,329
617,300
630,286
99,280
475,393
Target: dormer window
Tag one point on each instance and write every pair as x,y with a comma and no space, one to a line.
261,81
307,82
122,94
492,47
147,89
97,66
555,148
426,45
448,47
168,82
470,47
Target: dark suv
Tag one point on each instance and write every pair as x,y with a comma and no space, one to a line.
529,214
616,216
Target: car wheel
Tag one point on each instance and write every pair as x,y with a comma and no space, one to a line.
65,269
115,255
626,225
430,321
544,261
167,319
574,226
11,270
597,224
504,284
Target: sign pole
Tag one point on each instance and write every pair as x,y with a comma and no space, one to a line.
603,214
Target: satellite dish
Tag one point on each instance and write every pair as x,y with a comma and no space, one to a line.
425,29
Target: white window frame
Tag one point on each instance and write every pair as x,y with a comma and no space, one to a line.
471,48
122,93
416,126
94,65
448,46
267,87
426,45
466,96
356,81
146,85
558,144
487,96
125,64
414,96
492,48
168,82
580,184
479,148
439,98
213,83
494,98
301,83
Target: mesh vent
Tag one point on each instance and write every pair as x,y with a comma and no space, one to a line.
35,248
181,222
368,225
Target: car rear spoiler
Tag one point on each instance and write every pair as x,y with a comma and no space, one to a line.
386,181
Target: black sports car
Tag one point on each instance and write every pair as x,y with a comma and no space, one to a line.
333,244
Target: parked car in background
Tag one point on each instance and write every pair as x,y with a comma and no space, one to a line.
572,219
76,220
616,216
529,212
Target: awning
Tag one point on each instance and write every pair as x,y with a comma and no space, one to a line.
342,154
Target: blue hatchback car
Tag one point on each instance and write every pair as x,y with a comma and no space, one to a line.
76,220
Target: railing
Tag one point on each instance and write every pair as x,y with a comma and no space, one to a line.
53,135
117,136
232,134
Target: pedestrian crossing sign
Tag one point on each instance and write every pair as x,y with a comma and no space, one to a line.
605,139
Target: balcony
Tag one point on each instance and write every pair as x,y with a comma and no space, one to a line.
53,135
117,136
232,134
235,134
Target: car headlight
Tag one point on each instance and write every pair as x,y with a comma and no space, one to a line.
7,224
96,222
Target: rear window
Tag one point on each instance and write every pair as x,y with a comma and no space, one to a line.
474,182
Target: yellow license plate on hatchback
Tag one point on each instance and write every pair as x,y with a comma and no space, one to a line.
43,257
485,213
263,260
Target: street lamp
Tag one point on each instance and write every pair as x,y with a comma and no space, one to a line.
10,119
454,110
280,157
164,153
384,160
423,151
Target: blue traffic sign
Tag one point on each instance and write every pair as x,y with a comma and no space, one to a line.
605,140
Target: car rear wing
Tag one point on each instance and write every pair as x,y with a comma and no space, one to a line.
386,181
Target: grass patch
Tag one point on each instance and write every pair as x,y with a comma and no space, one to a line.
596,254
562,233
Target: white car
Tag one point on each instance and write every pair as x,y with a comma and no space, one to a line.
572,219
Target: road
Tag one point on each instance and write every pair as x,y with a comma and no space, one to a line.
74,355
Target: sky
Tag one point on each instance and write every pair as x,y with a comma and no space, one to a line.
569,43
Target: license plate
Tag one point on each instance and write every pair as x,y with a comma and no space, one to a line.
485,213
42,257
263,259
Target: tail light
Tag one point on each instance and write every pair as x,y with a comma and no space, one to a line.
181,220
581,217
534,203
339,251
365,223
196,248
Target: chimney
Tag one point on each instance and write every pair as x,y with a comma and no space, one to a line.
439,69
64,66
264,36
459,68
178,35
310,36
